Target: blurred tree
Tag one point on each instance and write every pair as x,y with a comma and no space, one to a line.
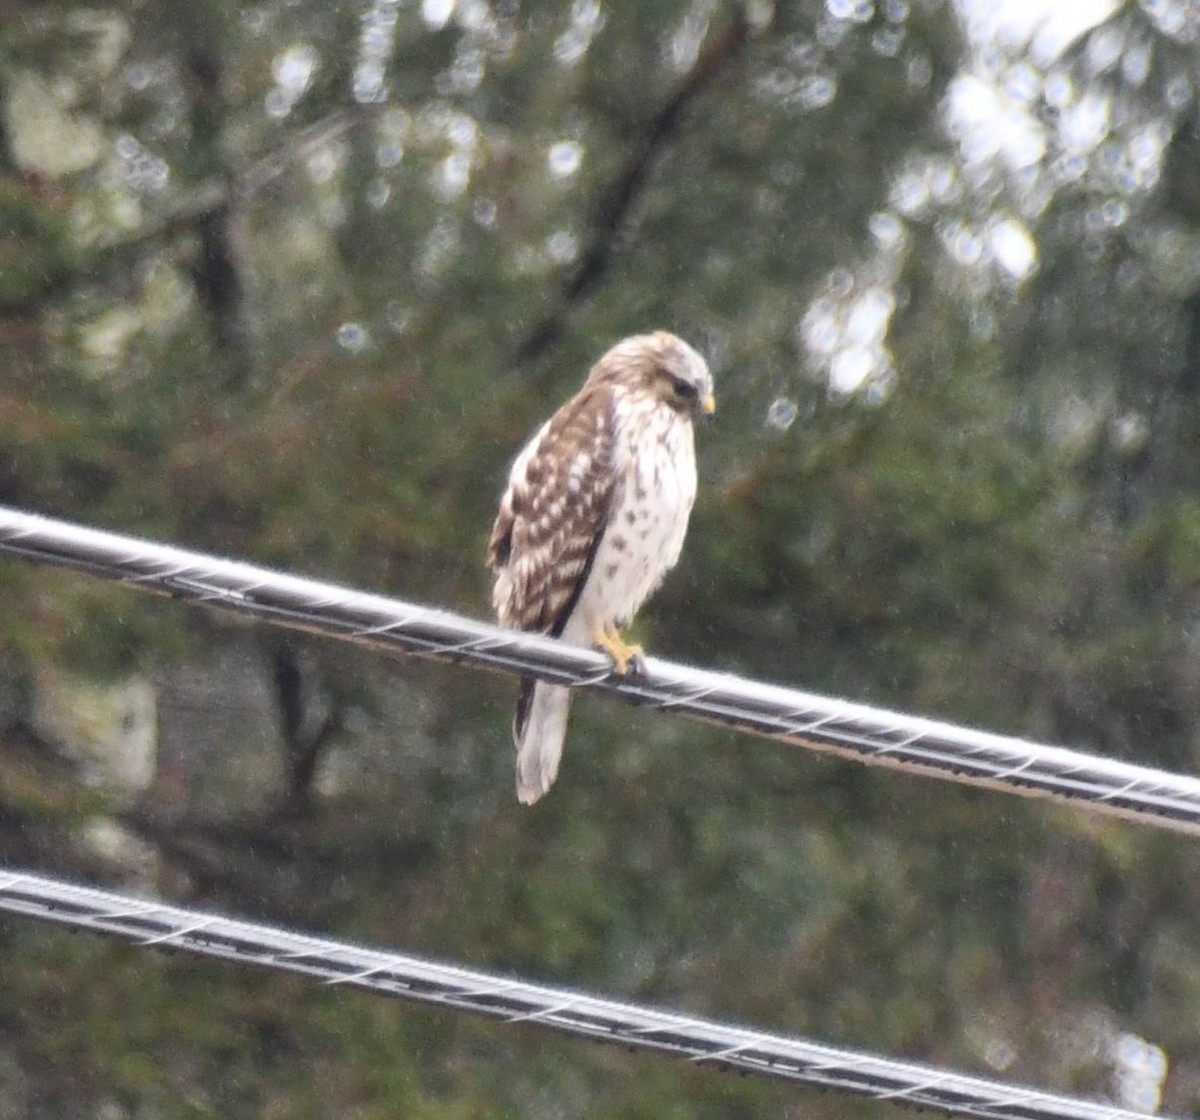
293,281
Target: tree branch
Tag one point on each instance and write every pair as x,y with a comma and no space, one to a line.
618,200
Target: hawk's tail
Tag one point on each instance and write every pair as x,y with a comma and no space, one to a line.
539,727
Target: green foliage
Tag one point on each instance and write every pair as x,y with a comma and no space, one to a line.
950,473
35,250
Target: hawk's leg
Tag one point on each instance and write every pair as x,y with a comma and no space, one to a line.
627,659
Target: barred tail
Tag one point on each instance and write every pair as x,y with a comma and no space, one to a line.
539,727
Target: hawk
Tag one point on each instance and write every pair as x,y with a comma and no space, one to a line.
593,518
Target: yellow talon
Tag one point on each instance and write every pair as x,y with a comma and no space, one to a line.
609,639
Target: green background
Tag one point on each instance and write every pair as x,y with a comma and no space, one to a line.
293,281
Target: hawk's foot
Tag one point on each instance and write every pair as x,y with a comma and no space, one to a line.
627,659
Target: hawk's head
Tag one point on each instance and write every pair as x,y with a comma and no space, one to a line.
663,366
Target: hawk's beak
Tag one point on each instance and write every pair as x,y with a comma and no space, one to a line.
709,405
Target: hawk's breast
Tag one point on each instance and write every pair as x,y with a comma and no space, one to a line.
656,486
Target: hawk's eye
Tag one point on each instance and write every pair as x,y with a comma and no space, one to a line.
685,389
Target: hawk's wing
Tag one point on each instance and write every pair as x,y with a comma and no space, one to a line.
553,514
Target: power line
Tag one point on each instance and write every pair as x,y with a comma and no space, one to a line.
512,1000
871,735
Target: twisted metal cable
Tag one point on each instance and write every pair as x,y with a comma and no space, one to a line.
871,735
512,1000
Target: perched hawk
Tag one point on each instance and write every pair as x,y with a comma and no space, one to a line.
594,516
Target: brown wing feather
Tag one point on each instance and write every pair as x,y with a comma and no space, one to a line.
553,514
524,701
